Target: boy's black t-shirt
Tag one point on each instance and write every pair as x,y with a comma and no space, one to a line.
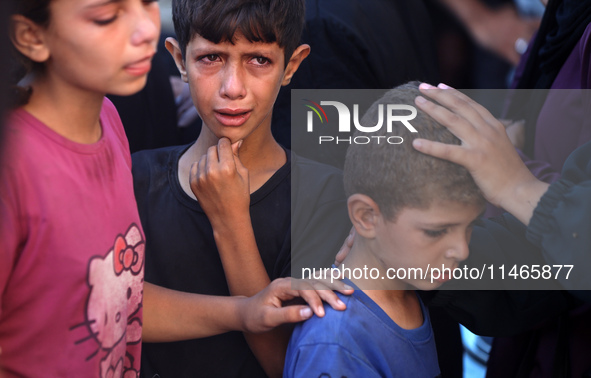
181,253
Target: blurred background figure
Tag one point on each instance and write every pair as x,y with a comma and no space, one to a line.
479,42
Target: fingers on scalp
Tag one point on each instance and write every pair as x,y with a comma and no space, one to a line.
450,98
440,114
440,150
481,110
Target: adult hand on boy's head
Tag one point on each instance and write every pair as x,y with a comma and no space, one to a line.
221,183
485,151
266,310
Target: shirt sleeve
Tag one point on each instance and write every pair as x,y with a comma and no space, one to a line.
323,361
561,228
561,223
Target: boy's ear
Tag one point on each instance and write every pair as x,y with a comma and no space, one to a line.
294,62
364,214
28,38
173,47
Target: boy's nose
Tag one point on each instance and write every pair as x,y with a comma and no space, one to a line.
233,83
459,251
147,25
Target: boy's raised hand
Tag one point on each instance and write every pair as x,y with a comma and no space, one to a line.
220,181
485,151
265,310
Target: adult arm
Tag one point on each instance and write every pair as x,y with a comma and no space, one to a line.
486,151
561,222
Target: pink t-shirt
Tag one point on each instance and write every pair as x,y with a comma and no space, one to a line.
71,253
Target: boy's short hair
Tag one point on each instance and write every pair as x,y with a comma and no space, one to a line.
268,21
396,176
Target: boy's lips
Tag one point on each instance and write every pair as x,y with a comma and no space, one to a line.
445,275
232,117
444,278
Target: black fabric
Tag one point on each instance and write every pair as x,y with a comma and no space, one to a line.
181,253
572,18
562,26
149,116
369,44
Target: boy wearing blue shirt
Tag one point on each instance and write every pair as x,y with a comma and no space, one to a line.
413,215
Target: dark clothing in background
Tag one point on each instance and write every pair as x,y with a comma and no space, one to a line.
369,44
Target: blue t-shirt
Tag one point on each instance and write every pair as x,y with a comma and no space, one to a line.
362,341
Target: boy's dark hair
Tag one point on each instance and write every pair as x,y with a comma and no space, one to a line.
396,176
268,21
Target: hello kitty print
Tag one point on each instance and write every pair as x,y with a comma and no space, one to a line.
114,307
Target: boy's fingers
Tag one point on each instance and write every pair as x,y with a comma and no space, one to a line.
314,301
289,314
235,148
332,299
337,285
224,150
345,248
282,289
194,171
212,156
201,165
